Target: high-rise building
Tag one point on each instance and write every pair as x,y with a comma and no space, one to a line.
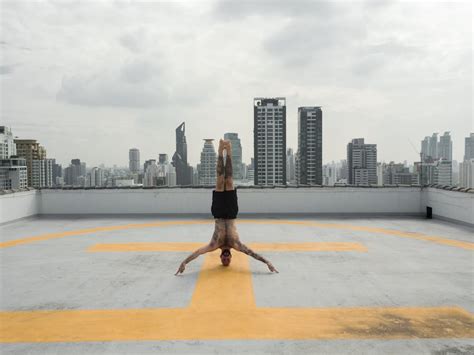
163,158
425,148
75,173
151,173
42,173
95,178
13,173
236,154
445,147
31,150
134,160
466,173
290,166
269,141
445,172
310,145
251,170
361,163
469,147
433,146
7,143
184,172
57,173
207,168
329,174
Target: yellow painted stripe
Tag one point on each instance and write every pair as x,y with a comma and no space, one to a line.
266,323
189,247
434,239
221,288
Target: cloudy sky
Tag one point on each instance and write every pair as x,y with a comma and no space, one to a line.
91,79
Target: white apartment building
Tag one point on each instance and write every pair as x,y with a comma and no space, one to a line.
269,141
207,168
42,173
13,174
466,173
7,143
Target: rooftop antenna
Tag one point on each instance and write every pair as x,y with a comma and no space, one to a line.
421,162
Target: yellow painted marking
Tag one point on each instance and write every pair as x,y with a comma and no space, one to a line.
220,288
438,240
259,323
165,246
223,307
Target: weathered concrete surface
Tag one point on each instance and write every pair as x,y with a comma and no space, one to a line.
396,271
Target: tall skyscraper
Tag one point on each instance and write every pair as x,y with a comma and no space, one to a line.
425,148
433,147
30,150
445,147
269,141
207,168
290,166
469,147
184,172
7,143
236,154
361,163
75,173
310,145
134,160
95,178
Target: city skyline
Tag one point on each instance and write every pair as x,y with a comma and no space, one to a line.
389,72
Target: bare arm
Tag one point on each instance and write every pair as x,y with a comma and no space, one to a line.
205,249
246,250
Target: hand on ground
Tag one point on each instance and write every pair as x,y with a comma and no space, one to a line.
181,268
272,268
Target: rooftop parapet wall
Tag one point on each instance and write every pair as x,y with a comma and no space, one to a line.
446,204
251,201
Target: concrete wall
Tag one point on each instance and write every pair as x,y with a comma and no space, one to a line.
19,205
255,201
449,205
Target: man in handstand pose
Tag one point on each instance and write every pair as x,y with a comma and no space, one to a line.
225,209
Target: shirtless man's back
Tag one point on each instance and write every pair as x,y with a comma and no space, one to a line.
225,210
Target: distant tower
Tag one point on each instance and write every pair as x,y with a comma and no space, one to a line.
469,147
134,160
180,158
290,166
269,141
207,167
445,147
361,163
7,143
433,148
310,145
236,154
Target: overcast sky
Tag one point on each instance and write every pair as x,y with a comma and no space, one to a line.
92,79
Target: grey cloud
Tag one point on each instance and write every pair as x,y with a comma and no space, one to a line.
105,90
235,9
134,41
6,69
138,72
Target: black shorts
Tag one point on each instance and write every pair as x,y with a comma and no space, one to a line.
224,204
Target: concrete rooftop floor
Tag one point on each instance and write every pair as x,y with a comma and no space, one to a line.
346,285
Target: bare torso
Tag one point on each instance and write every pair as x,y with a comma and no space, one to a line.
225,234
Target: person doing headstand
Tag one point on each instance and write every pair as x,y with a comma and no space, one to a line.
225,209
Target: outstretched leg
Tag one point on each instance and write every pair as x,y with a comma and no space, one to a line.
229,180
220,180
